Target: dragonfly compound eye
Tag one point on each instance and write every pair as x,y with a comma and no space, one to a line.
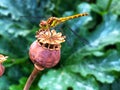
43,23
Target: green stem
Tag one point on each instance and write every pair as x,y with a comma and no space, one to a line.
31,78
109,4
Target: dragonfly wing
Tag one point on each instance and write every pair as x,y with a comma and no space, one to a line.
81,39
72,36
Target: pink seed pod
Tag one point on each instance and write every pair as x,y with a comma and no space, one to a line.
42,57
45,51
2,59
2,69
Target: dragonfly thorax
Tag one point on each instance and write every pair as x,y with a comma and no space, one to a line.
50,23
53,21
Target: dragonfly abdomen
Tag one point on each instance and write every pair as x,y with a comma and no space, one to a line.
53,21
72,17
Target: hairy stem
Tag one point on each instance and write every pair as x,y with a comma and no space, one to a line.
31,79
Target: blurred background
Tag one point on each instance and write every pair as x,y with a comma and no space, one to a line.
82,67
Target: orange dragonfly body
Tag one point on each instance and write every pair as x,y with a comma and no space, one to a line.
54,21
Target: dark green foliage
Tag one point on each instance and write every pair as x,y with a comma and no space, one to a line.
93,67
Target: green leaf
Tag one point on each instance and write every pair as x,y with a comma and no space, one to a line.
96,9
107,32
102,4
105,6
21,85
63,80
114,86
115,7
4,83
82,68
102,68
16,10
15,30
85,62
14,73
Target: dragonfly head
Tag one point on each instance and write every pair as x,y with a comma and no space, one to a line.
43,24
53,21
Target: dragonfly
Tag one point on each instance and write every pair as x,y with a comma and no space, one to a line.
54,21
